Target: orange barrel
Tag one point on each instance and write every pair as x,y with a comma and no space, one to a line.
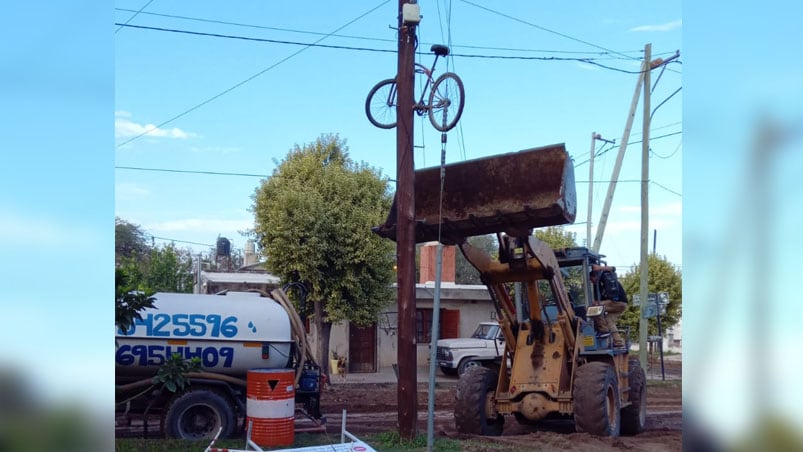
271,406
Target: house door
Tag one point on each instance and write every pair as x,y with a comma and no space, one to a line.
362,348
450,323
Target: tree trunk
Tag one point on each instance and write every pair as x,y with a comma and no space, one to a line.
323,330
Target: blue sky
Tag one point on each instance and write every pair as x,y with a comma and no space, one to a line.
65,74
510,104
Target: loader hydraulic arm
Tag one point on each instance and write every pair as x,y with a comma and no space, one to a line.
526,260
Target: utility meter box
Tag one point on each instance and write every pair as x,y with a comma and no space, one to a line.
411,13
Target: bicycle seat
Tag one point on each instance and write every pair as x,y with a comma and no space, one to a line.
440,50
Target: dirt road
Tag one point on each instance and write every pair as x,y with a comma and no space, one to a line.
371,408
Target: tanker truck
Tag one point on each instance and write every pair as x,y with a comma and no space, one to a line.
231,333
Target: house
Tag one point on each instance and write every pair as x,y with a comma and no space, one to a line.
462,307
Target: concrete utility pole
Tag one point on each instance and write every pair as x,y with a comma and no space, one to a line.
645,181
405,229
594,137
603,221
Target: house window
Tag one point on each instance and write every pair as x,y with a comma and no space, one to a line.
423,326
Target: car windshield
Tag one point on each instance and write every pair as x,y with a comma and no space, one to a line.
486,332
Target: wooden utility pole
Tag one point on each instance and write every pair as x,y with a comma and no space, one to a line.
645,204
405,230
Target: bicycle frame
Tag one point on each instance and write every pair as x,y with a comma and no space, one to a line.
421,107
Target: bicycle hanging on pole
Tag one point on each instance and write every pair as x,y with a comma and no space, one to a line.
444,105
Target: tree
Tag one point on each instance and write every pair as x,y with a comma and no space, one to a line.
465,273
556,237
662,276
313,219
130,241
169,270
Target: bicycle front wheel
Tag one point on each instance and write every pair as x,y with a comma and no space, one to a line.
380,105
446,101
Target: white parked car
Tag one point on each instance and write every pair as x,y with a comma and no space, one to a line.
483,348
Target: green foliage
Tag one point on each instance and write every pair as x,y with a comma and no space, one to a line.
313,220
129,241
465,273
168,270
392,441
662,276
128,300
171,374
556,237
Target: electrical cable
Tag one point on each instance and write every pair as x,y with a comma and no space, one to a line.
239,84
368,38
664,157
136,13
667,189
636,142
215,173
307,45
664,101
563,35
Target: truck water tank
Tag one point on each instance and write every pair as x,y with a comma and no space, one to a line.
230,333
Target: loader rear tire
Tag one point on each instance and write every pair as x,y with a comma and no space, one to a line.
475,390
634,416
596,400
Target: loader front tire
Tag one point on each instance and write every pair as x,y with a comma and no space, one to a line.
475,391
634,416
596,400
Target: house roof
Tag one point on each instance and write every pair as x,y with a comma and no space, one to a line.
240,277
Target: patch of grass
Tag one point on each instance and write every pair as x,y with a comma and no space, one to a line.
389,441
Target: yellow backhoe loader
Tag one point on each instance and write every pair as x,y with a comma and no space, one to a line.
556,365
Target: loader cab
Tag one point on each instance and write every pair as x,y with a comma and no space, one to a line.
575,264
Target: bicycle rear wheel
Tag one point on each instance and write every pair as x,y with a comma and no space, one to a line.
380,105
446,101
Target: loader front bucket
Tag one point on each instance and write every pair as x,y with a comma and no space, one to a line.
509,193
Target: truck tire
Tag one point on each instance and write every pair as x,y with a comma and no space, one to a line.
198,414
596,399
467,363
474,390
634,416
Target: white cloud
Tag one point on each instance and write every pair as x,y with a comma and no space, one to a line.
669,26
124,127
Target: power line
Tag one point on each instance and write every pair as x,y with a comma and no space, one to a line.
664,157
370,38
133,16
632,142
264,27
248,38
563,35
180,241
237,85
667,189
306,45
215,173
